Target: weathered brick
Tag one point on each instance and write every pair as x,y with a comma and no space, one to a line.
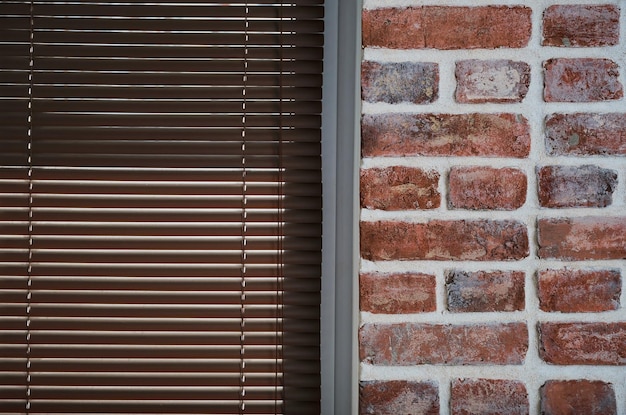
488,397
485,291
476,240
570,397
399,188
442,27
583,343
484,188
397,293
581,25
582,238
579,291
581,80
576,186
415,82
489,135
398,397
584,134
406,344
481,81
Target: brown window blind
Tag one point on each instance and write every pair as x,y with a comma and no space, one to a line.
160,206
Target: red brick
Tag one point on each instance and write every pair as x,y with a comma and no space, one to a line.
581,80
397,293
478,240
484,188
406,344
398,397
489,135
488,397
581,25
576,186
584,238
584,134
491,81
442,27
583,343
570,397
579,291
399,188
416,82
485,291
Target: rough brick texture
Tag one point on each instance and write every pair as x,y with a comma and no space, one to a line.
490,135
398,397
413,343
397,293
584,134
399,188
485,188
583,343
581,80
488,397
581,25
582,238
480,240
569,397
485,291
579,291
491,81
442,27
416,82
576,186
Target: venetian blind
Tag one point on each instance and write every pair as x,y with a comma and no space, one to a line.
160,206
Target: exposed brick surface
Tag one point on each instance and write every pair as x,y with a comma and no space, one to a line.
581,25
481,81
583,343
581,80
490,135
442,27
576,186
479,240
571,397
398,397
413,344
579,291
479,188
488,397
416,82
586,134
397,293
399,187
485,291
582,238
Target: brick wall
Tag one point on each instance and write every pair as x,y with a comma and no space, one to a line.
493,196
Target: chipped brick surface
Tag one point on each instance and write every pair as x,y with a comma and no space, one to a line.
581,80
489,135
579,291
485,291
485,188
576,186
480,81
581,25
488,397
569,397
397,293
398,397
395,82
399,187
586,134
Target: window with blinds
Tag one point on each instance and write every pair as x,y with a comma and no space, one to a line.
160,206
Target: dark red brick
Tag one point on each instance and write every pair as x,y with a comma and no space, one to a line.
481,81
394,28
399,188
488,397
485,291
397,293
570,397
489,135
585,134
581,80
583,343
482,188
415,82
478,240
579,291
398,397
407,344
581,25
576,186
